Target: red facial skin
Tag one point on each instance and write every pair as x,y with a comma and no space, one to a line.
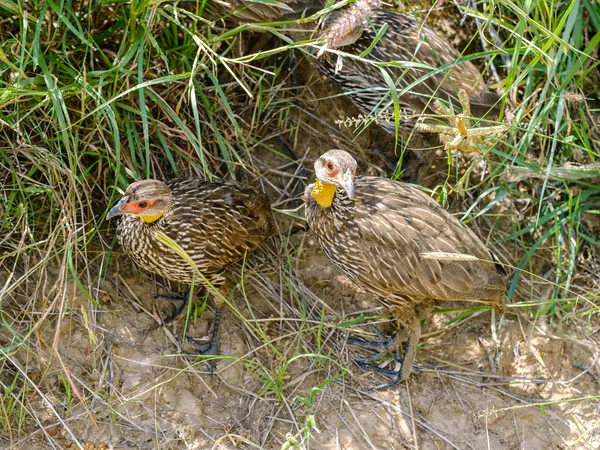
135,208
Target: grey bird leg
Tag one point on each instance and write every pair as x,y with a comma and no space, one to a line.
409,173
414,163
406,360
210,348
389,162
409,335
389,344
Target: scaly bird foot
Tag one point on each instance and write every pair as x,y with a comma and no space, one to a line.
210,348
396,375
390,344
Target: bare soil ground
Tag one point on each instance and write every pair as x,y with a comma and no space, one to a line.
504,385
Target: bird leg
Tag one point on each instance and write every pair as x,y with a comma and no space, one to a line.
182,307
404,355
389,162
388,344
211,348
410,316
417,160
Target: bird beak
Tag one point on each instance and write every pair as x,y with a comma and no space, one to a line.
348,183
116,210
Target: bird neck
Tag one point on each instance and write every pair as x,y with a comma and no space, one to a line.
323,193
152,218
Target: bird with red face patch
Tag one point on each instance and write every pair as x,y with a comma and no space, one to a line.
396,243
216,223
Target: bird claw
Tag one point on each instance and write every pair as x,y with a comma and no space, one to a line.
389,344
209,349
396,374
382,335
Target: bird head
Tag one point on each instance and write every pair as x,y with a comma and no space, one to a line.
334,169
342,29
147,199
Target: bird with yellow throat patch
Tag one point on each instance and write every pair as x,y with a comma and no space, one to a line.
396,243
181,226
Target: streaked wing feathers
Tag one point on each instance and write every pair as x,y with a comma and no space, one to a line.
378,240
215,223
407,41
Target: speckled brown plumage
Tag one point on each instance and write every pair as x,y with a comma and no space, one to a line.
247,12
407,40
396,243
215,222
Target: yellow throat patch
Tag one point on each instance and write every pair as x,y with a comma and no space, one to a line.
323,193
153,218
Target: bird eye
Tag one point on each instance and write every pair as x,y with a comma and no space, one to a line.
142,204
330,165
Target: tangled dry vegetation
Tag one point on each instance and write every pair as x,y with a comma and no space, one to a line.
94,95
